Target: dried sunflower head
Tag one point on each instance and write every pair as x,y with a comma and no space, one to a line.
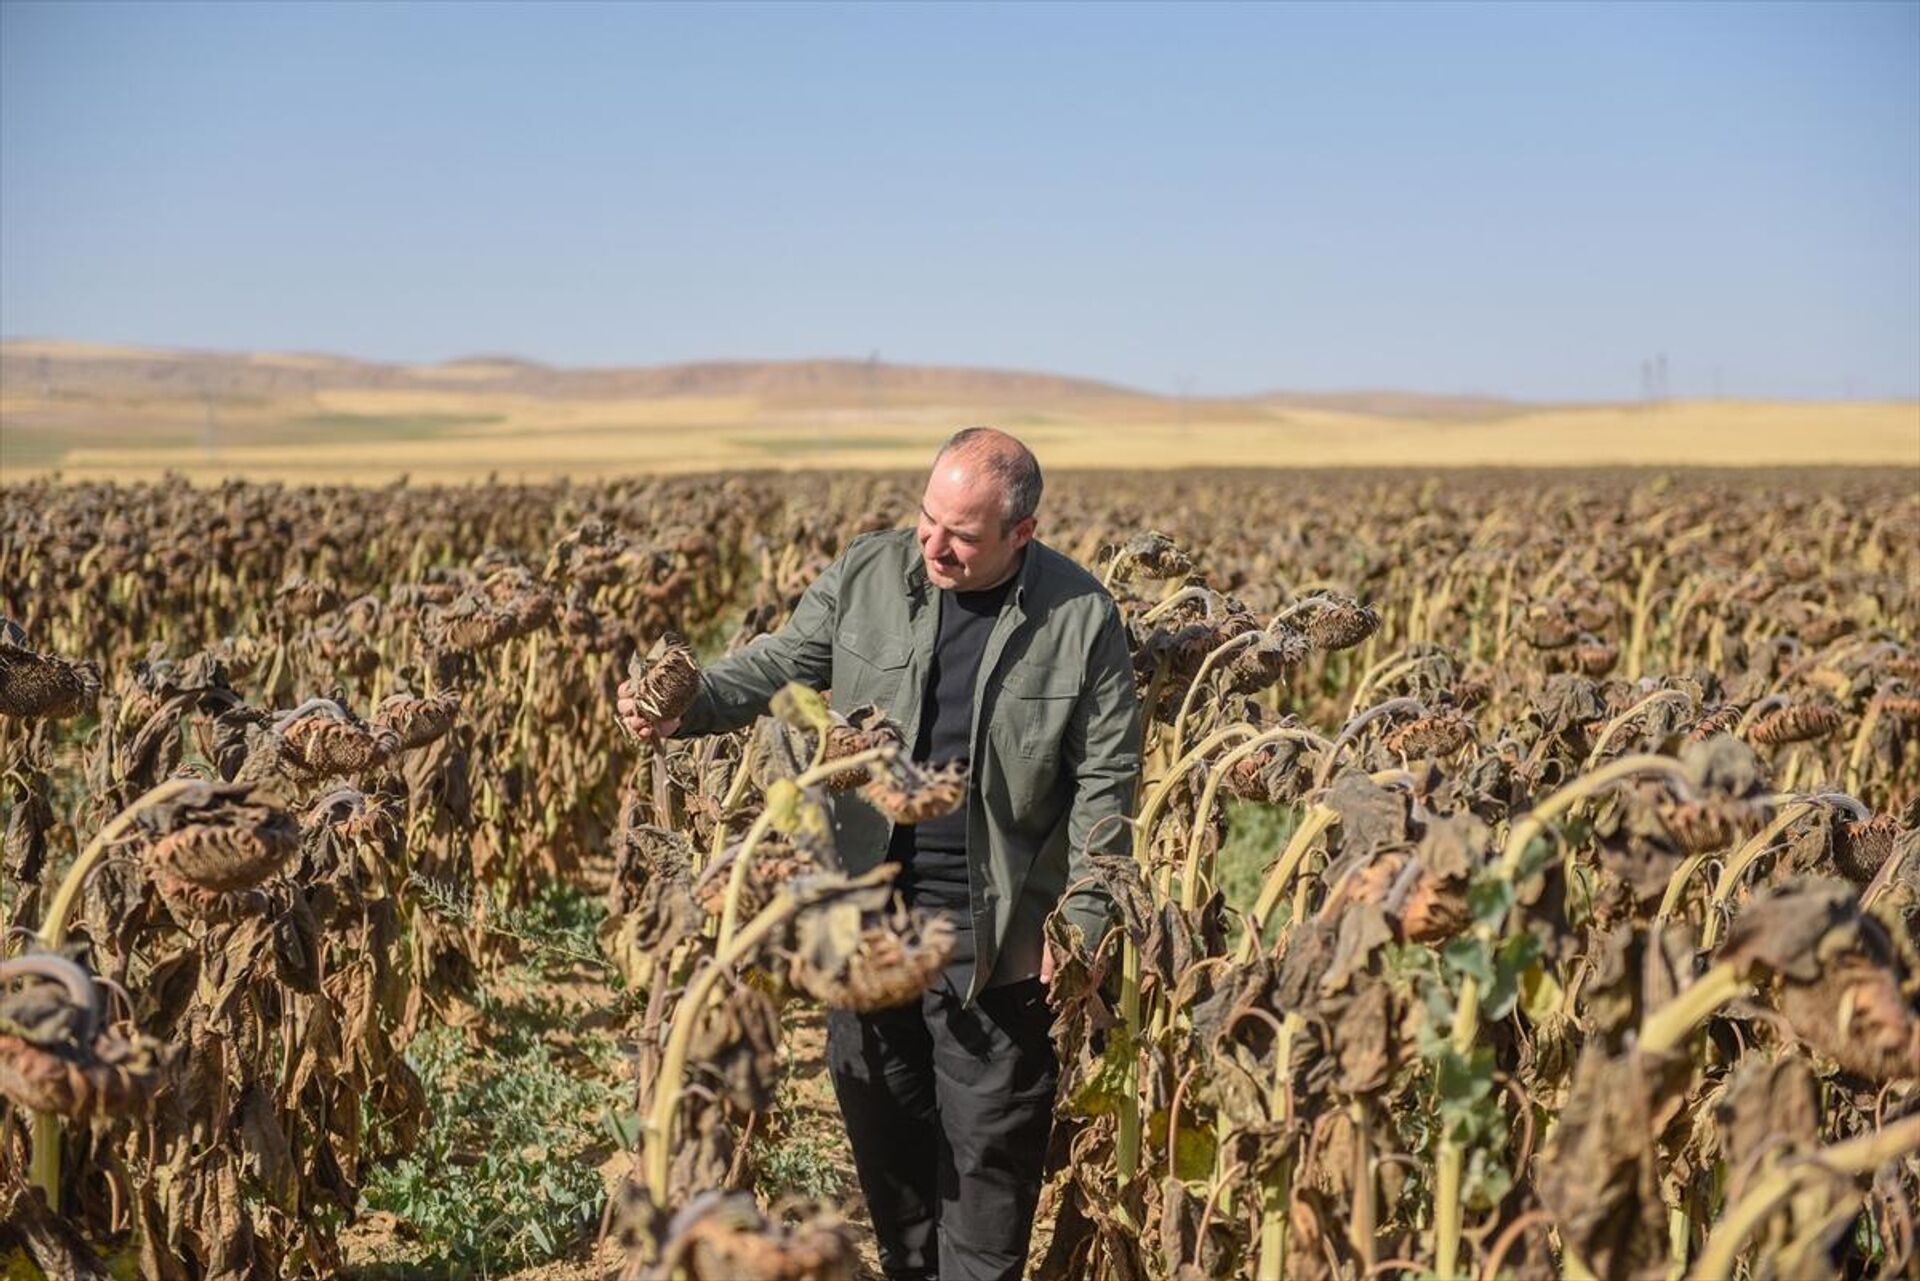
1150,555
1550,624
909,793
722,1236
1726,799
228,847
469,625
1796,723
857,949
774,864
343,649
1441,734
1843,978
858,731
530,610
662,684
1420,906
1277,773
1256,666
43,686
417,721
1595,657
300,597
1701,828
329,746
1341,622
54,1055
1714,722
1865,845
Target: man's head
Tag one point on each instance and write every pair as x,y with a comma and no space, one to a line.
978,510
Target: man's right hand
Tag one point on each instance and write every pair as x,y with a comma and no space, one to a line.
647,731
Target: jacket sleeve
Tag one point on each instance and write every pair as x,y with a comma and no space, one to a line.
737,688
1102,749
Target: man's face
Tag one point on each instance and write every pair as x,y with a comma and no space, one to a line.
963,539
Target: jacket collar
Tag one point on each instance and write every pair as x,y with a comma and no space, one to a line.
1027,578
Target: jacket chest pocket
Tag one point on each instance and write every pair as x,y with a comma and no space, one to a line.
1035,704
867,668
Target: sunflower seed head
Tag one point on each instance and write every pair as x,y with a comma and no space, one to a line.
664,682
1796,723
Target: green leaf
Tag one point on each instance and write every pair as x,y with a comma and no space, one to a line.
1195,1148
1540,851
1106,1085
1510,960
1469,956
622,1125
1194,1152
1490,899
1540,993
1464,1079
1487,1182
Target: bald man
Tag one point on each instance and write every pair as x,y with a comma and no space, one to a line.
985,645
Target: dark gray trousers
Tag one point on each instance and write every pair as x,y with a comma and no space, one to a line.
949,1110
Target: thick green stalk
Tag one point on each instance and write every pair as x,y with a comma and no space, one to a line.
1276,1183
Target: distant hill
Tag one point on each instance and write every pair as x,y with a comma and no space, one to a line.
70,368
77,368
1401,404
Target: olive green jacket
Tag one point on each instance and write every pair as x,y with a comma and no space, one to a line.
1056,726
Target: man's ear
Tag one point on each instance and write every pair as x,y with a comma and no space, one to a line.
1023,532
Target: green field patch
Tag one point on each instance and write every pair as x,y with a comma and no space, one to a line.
30,451
386,426
803,443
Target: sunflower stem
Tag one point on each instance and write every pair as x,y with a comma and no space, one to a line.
1667,1026
1214,655
1450,1159
53,936
1856,1157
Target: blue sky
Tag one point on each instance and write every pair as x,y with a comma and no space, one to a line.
1504,198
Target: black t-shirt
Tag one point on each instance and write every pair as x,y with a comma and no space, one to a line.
933,855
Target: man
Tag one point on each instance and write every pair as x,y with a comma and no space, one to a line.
987,645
